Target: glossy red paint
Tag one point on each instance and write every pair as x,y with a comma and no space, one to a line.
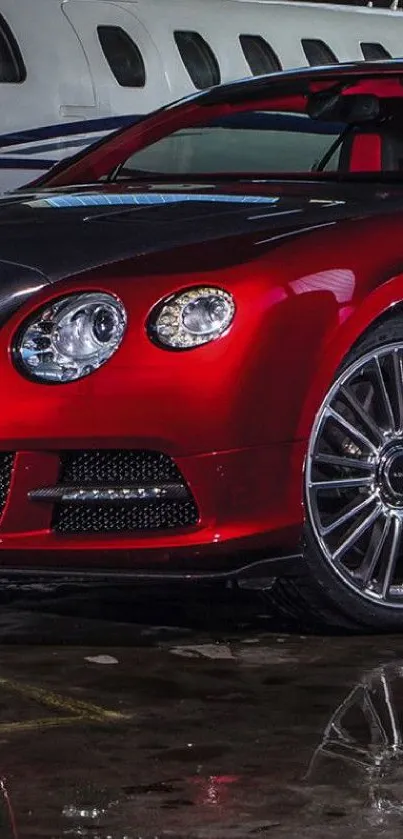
235,414
222,447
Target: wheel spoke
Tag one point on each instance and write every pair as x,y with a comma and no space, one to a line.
393,715
373,553
357,533
342,483
398,377
354,433
384,395
392,558
345,517
362,414
347,462
371,714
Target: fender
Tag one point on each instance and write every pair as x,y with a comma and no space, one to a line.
357,322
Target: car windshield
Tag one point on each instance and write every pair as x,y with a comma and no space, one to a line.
342,126
252,142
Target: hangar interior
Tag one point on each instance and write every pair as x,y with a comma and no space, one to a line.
201,424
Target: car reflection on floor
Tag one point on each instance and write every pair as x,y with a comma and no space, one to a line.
111,728
365,735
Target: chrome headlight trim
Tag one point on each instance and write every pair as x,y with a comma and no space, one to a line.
191,318
69,337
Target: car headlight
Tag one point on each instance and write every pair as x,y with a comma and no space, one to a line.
191,318
70,338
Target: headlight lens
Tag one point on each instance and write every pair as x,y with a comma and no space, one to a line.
70,338
191,318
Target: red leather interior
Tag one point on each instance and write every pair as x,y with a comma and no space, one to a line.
366,153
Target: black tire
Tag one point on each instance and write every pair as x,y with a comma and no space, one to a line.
320,598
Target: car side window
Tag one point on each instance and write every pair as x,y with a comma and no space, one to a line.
317,52
259,55
12,67
198,58
374,52
123,56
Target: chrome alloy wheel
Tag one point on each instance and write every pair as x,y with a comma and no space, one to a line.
354,477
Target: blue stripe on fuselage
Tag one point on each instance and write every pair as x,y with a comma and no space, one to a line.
87,126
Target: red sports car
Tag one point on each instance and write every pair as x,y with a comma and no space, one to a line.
201,349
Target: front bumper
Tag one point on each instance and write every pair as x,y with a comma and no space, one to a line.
211,412
249,515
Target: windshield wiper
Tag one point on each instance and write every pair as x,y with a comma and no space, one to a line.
135,174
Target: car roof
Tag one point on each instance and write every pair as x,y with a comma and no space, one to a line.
298,79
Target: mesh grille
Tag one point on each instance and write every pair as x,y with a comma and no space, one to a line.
117,467
121,468
104,518
6,466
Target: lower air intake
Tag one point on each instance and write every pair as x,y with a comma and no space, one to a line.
102,518
95,469
6,468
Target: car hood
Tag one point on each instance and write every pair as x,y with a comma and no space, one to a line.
57,234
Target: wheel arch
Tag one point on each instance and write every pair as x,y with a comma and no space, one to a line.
380,306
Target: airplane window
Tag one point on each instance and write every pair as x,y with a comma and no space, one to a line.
198,58
123,56
374,52
12,67
259,55
317,52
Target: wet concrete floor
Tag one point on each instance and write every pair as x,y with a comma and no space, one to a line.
137,716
